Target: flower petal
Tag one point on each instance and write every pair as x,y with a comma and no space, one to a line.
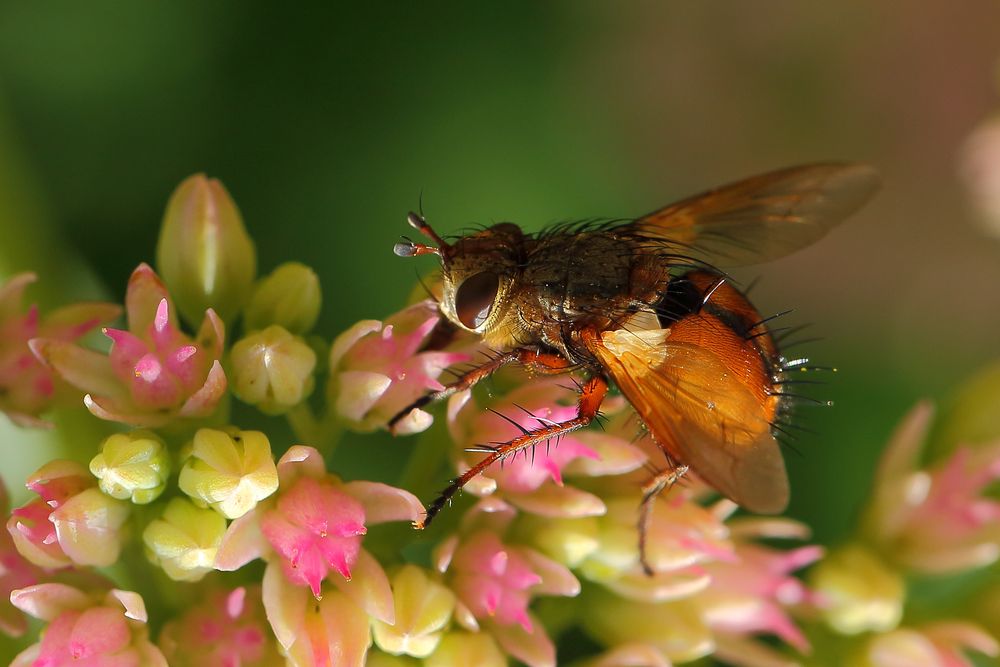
11,293
534,649
385,503
142,298
369,588
553,501
242,543
212,334
47,601
109,409
86,370
203,402
72,321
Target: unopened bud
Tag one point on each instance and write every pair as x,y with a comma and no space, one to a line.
289,297
423,609
204,252
272,369
132,466
230,472
185,540
860,593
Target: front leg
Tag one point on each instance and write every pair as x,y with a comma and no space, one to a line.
545,362
591,396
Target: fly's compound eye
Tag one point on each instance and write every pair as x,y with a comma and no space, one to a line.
474,299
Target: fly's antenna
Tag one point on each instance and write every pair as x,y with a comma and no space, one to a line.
407,248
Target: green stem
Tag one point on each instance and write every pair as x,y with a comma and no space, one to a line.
323,434
421,473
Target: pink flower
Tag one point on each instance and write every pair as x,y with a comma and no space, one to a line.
495,583
681,538
940,644
27,388
377,369
153,373
311,532
29,526
935,520
226,629
752,593
15,572
315,527
533,479
87,630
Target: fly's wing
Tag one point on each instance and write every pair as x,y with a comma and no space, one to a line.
761,218
700,414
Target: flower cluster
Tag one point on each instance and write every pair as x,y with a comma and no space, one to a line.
253,551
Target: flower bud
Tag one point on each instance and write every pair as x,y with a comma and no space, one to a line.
272,369
30,526
289,297
423,608
568,541
204,253
858,592
230,472
132,466
185,540
88,527
87,627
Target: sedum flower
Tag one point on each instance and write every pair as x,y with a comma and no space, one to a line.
310,532
713,587
533,481
132,466
153,373
72,523
225,628
289,297
87,630
272,369
423,609
858,591
377,369
15,572
316,522
494,583
673,631
939,644
29,526
204,252
184,541
230,471
27,387
752,593
938,519
681,537
332,632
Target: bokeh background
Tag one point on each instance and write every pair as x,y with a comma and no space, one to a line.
328,123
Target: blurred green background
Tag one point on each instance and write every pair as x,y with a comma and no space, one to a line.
328,123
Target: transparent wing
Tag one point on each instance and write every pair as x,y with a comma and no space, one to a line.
764,217
703,417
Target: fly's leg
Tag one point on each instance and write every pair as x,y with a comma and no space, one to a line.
664,479
544,362
591,396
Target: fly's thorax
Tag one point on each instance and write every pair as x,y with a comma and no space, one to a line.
581,278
